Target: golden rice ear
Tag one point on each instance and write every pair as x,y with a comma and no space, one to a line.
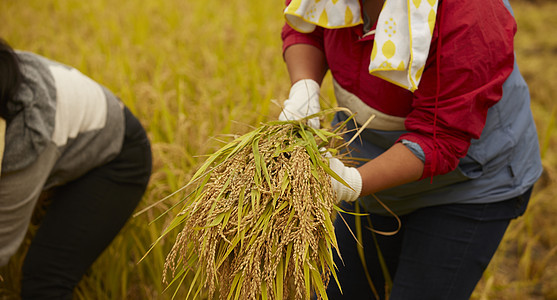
257,222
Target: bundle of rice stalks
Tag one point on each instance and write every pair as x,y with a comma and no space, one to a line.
258,224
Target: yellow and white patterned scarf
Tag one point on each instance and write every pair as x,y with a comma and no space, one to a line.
402,37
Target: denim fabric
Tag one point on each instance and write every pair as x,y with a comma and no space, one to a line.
439,253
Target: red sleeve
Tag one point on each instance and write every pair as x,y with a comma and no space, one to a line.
291,36
475,59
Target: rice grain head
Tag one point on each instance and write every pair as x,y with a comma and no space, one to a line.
258,223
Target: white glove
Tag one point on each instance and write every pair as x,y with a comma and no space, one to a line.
303,101
349,175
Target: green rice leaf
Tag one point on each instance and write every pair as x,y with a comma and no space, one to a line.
236,283
320,133
230,248
264,291
182,276
255,197
328,257
288,255
216,221
318,282
240,213
307,280
181,273
239,288
357,214
358,224
285,183
328,170
193,283
329,227
257,160
279,280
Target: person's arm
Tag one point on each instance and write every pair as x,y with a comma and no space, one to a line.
305,62
394,167
307,66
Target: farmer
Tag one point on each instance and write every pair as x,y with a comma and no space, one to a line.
63,132
452,150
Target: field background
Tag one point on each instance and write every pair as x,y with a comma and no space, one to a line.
195,71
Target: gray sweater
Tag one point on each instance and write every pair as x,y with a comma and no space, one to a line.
58,105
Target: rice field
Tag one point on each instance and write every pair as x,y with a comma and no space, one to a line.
195,72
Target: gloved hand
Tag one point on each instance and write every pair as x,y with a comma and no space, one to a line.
303,101
350,175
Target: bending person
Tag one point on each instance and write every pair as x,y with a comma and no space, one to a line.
63,132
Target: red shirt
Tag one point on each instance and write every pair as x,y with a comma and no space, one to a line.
476,57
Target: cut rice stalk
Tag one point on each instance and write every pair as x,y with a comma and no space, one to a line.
259,221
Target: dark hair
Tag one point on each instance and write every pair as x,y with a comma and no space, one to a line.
10,78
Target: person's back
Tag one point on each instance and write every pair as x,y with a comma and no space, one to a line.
70,135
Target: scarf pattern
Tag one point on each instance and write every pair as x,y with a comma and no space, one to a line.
402,37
